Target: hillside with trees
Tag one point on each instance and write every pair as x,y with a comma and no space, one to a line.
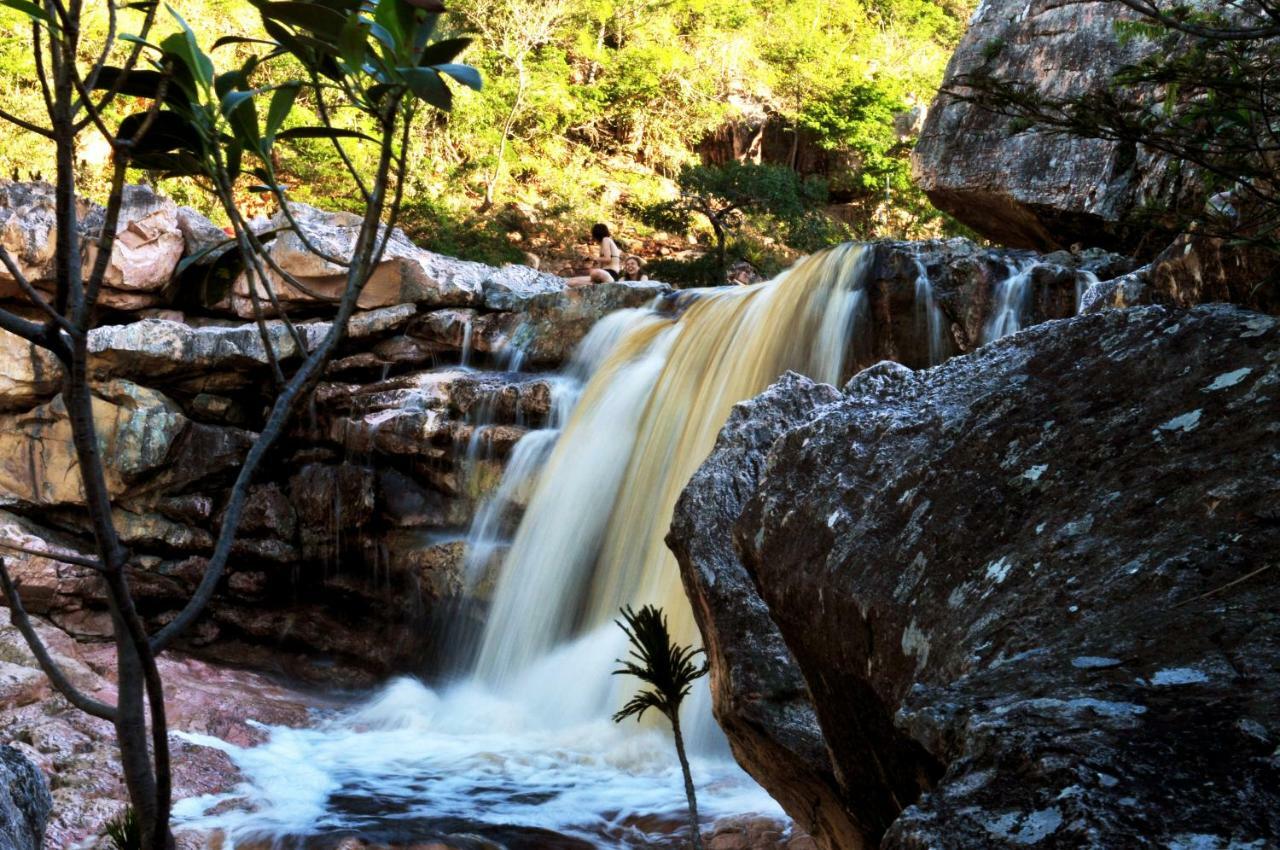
592,108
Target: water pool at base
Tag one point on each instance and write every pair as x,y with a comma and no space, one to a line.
412,764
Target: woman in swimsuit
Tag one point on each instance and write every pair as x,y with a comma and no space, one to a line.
609,260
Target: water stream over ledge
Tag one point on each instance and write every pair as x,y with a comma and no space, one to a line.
523,741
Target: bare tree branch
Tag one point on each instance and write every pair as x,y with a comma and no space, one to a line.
78,560
57,678
35,297
296,388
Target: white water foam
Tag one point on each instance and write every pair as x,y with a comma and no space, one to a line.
467,757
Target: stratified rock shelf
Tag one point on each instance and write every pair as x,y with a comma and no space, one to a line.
1030,593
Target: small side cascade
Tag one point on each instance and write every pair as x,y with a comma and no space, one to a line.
468,329
1009,304
494,520
931,322
1084,280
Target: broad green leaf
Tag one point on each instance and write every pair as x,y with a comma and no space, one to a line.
443,51
241,39
240,112
133,39
464,74
397,18
184,45
378,92
427,85
322,133
141,83
281,104
312,17
352,42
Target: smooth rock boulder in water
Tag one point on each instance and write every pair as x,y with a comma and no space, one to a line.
1031,591
24,802
1029,189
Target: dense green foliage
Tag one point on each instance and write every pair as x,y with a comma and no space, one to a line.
591,108
726,197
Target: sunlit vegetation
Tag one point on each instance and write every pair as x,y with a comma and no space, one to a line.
591,108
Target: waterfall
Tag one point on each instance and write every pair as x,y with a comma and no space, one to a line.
1009,304
931,323
591,537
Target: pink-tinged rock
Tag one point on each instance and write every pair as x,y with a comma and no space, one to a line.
148,244
77,753
405,274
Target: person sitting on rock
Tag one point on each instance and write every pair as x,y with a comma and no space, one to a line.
609,261
743,273
632,268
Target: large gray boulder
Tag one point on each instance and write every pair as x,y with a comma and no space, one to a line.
1030,591
24,802
1030,189
758,696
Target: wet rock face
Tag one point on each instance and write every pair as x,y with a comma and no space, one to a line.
1029,189
758,695
24,802
958,288
1106,648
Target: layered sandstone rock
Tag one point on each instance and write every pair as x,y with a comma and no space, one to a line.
136,428
405,274
77,754
1076,674
1025,188
148,243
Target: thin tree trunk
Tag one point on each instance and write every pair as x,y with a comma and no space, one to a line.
722,260
491,189
694,828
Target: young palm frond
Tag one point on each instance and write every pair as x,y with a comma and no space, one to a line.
670,671
667,668
124,832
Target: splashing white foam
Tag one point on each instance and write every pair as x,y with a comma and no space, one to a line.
412,763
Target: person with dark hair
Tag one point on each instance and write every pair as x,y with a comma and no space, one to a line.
633,268
609,259
742,273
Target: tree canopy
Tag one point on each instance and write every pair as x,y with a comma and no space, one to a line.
593,107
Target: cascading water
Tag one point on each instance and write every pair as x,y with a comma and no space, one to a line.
1010,302
527,737
591,539
931,322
